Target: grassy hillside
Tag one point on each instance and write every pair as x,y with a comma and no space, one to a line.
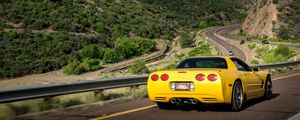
37,36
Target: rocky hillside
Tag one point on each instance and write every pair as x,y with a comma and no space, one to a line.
274,18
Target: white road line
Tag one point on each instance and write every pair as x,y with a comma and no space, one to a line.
295,117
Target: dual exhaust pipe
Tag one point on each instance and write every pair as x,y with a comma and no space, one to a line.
184,101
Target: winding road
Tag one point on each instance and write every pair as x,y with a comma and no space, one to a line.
220,38
284,104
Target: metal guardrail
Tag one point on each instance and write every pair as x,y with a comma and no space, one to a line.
276,65
10,95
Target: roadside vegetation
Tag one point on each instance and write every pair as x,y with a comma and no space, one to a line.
91,57
186,40
38,36
280,54
275,39
270,54
246,37
10,110
202,49
138,67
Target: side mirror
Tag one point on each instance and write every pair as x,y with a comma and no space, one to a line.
255,69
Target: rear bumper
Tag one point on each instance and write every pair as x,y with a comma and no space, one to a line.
204,91
203,98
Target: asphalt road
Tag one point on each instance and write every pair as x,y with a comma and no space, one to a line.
283,105
215,33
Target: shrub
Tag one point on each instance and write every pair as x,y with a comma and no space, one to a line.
186,40
275,1
92,64
254,61
280,54
262,50
203,24
13,35
241,32
284,51
91,52
139,67
242,42
284,33
243,15
111,55
251,46
132,46
271,58
203,50
74,67
100,27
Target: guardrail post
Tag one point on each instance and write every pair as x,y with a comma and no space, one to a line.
98,94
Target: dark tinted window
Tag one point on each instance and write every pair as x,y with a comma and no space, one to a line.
240,65
203,63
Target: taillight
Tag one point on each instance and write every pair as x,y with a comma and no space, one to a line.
164,77
154,77
200,77
212,77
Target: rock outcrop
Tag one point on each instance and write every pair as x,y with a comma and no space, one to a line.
259,21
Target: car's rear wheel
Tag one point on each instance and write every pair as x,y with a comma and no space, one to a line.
268,90
165,106
237,96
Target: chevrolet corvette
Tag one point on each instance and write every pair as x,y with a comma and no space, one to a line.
209,80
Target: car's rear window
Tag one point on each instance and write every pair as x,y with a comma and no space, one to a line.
203,63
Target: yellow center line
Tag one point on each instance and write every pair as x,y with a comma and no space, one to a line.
125,112
151,106
286,76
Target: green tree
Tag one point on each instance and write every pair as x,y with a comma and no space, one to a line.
111,55
132,46
91,52
242,42
73,68
91,64
203,24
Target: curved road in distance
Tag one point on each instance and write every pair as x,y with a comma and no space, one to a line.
217,39
282,106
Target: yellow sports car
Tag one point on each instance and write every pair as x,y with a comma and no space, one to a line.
226,80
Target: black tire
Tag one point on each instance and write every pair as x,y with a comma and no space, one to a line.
165,106
268,89
237,96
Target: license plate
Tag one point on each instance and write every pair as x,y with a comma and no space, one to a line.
182,86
